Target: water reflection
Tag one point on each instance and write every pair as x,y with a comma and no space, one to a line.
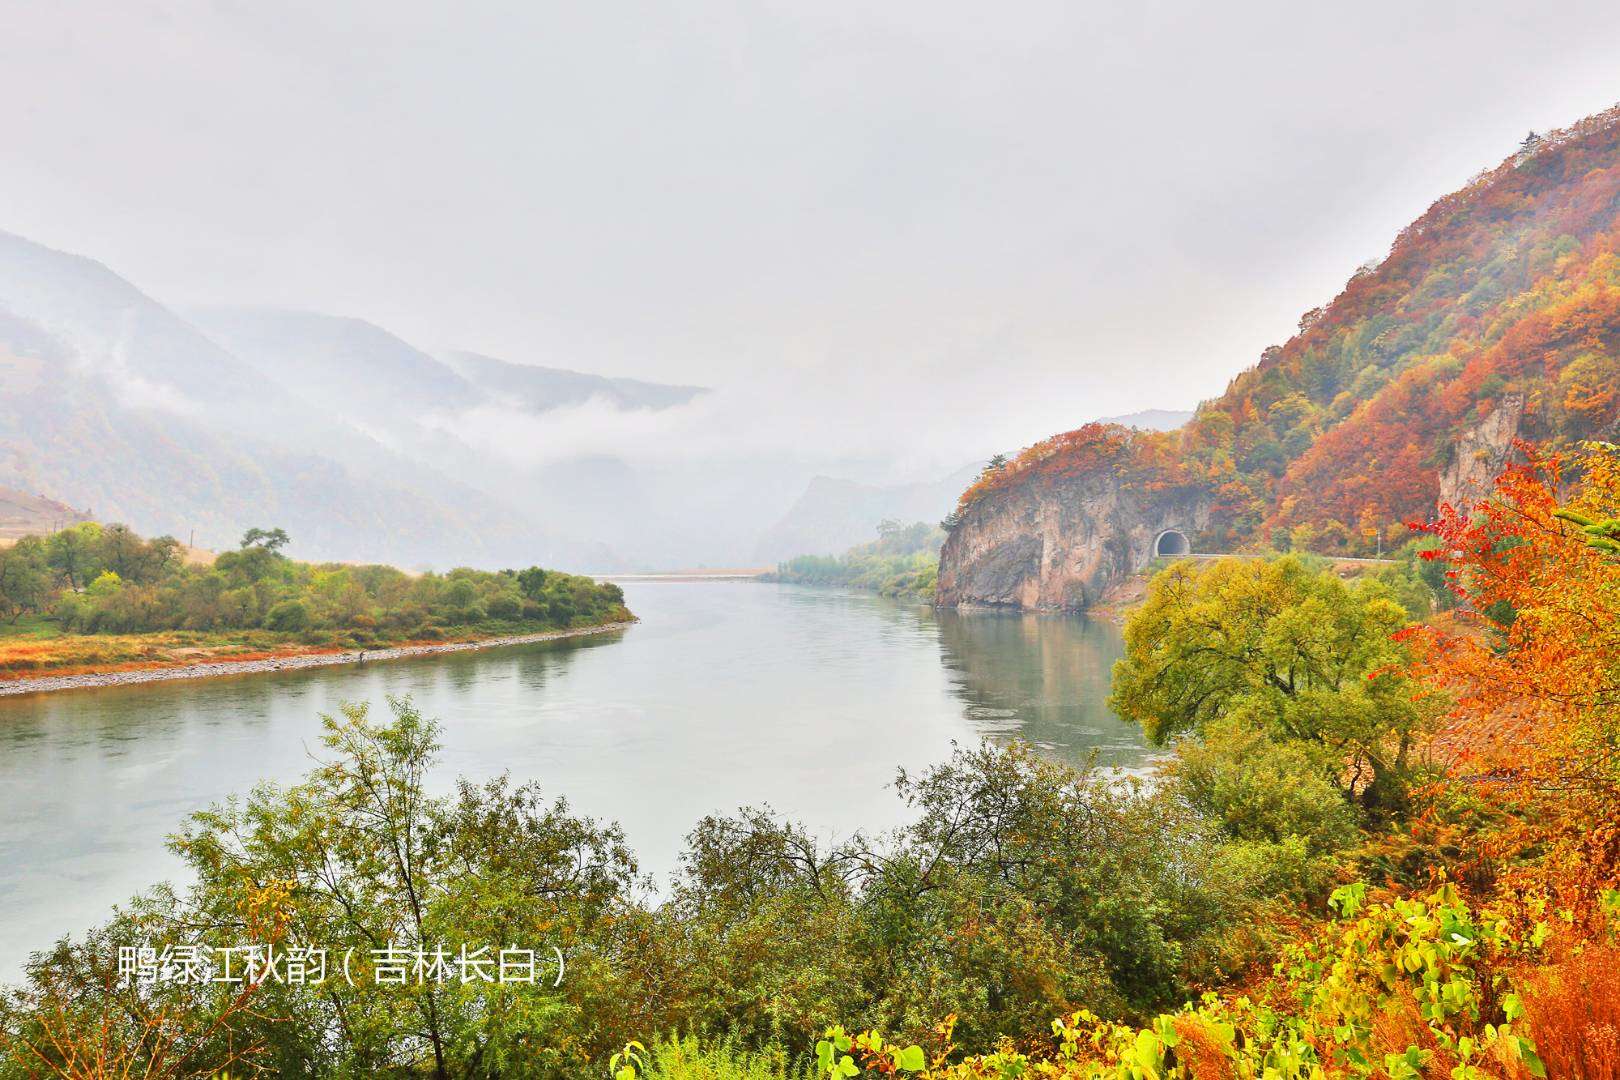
1043,678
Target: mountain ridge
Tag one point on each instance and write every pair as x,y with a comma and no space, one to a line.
109,399
1507,291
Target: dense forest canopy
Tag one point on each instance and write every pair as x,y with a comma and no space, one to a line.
1507,289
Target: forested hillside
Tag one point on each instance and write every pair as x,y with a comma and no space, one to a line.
1497,311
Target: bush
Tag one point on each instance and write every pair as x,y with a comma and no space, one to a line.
1278,800
288,617
505,606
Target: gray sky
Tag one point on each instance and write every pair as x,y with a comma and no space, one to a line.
943,228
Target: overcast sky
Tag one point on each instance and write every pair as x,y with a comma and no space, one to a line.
953,227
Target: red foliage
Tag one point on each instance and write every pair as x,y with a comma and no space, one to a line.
1535,671
1499,287
1135,458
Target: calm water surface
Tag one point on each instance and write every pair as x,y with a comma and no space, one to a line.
726,694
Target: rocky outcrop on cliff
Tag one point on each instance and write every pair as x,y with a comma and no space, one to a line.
1060,543
1481,453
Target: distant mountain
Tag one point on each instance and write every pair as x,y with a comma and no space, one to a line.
541,388
372,388
1151,419
371,382
111,401
346,366
835,515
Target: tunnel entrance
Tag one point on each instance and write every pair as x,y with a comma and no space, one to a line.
1170,544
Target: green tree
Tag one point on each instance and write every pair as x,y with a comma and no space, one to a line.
359,859
532,582
25,580
74,554
1287,650
1019,888
271,540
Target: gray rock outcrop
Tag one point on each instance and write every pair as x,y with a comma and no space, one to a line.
1481,453
1060,544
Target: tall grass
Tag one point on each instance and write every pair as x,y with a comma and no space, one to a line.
1574,1011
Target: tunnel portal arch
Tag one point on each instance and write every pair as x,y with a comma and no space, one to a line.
1170,544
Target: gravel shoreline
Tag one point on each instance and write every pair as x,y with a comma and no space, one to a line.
47,683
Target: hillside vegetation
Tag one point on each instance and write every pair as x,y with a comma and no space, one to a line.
1504,294
98,596
902,561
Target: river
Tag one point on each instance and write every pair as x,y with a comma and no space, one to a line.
726,694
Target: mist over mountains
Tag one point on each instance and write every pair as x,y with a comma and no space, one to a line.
208,423
203,422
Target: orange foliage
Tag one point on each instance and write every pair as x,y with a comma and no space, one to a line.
1143,459
1535,671
1573,1008
1509,285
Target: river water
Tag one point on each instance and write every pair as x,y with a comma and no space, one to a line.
726,694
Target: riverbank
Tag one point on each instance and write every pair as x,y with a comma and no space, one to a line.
288,661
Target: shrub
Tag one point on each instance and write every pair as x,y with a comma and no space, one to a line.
1277,801
505,606
288,617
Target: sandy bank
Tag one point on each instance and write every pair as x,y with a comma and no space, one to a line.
46,683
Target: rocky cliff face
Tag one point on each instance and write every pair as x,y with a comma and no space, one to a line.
1482,452
1060,544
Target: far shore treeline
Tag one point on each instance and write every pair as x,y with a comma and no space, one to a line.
902,561
92,579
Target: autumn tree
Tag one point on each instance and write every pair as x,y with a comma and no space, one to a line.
1535,662
1281,648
